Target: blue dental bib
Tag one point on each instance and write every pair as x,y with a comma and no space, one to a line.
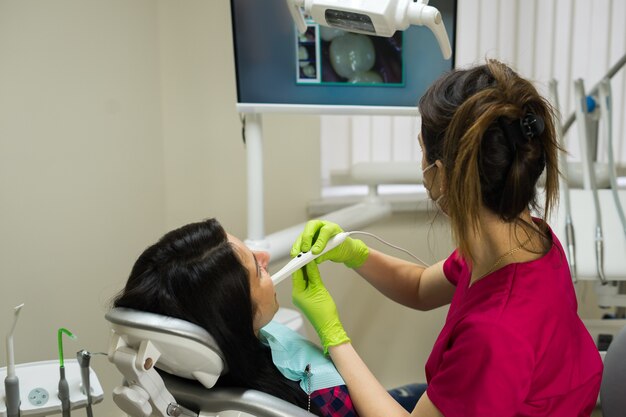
291,353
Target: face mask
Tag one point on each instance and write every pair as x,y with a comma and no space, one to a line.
424,176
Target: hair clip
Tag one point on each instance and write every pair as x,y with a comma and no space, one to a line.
532,125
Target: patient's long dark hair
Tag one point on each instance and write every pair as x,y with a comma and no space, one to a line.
193,273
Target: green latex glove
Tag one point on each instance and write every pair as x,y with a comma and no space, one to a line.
310,296
352,252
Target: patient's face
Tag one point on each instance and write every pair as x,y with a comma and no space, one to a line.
261,286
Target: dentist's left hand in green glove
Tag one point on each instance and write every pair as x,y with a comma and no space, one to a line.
310,296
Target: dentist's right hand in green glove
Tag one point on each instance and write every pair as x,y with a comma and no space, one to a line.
310,296
352,252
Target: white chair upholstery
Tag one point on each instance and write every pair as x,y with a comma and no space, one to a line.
189,363
613,388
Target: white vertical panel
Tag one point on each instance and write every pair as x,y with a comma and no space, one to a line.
581,64
618,84
507,33
579,44
403,139
609,31
526,38
335,145
467,29
488,32
543,42
554,29
599,23
381,143
361,138
599,40
562,51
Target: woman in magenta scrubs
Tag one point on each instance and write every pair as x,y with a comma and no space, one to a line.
512,344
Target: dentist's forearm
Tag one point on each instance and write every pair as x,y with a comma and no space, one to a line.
367,394
396,278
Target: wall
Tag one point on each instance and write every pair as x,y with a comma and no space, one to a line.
81,167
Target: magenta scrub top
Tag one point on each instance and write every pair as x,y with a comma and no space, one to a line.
513,344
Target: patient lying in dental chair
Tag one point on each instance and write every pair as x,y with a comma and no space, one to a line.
201,274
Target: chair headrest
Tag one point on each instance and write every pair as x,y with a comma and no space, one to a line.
187,350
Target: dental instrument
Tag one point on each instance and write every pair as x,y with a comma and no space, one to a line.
39,384
11,382
570,239
304,258
64,390
582,111
372,17
83,357
37,380
606,112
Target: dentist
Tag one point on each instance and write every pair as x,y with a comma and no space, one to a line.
513,343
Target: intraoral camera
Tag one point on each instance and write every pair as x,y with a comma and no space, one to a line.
372,17
303,258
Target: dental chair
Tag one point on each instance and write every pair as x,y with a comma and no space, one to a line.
170,367
612,389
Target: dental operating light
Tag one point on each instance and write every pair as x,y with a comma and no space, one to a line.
372,17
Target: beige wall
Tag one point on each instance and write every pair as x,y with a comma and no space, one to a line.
81,166
118,123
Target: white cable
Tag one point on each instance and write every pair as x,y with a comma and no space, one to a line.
359,232
304,258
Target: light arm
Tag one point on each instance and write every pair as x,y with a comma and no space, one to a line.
373,17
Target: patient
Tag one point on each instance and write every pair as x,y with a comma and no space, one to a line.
203,275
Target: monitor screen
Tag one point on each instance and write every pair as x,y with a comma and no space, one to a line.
327,70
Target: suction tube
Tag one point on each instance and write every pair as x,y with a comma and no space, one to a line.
84,358
64,389
11,382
